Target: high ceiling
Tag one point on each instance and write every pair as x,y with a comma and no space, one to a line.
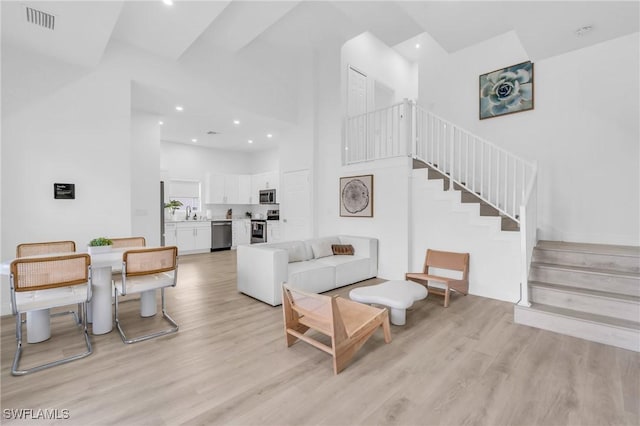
202,41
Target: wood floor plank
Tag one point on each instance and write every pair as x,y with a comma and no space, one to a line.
229,365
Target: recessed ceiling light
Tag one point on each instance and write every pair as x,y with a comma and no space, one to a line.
179,108
250,141
583,30
236,121
161,122
269,135
168,2
417,45
194,140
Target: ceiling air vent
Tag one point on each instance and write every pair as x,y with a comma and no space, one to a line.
40,18
211,132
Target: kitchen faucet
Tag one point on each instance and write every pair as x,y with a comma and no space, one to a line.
188,212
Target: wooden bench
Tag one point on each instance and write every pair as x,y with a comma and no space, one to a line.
443,260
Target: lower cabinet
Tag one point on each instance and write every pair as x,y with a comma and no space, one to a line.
273,231
241,232
189,237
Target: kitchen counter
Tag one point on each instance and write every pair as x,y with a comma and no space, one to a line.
222,219
185,220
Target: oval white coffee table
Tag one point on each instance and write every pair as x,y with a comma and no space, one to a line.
398,295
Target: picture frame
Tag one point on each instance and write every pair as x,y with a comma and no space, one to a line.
356,196
64,191
506,91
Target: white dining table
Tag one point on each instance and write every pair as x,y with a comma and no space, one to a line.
99,311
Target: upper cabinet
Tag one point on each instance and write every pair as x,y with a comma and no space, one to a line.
245,195
266,180
238,189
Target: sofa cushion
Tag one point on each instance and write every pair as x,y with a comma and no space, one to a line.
348,269
321,247
295,249
342,249
311,276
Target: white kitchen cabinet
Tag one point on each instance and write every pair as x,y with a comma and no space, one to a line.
241,232
266,180
244,190
273,231
189,237
239,189
215,189
185,239
229,189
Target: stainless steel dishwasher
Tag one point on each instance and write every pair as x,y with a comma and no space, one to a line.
220,235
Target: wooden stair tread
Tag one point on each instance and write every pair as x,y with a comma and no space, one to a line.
587,291
585,316
631,251
596,271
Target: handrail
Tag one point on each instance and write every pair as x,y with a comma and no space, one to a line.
500,178
493,174
486,142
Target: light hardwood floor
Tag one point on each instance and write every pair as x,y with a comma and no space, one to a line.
229,364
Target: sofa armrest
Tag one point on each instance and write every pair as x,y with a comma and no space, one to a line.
364,247
261,272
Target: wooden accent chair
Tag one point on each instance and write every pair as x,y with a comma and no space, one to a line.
49,282
443,260
349,324
128,242
34,249
144,270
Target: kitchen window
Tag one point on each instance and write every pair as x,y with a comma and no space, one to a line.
187,192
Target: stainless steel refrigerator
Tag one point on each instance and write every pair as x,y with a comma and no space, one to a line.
162,213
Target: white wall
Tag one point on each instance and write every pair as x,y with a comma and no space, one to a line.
78,133
391,177
390,222
379,63
181,161
145,173
440,221
583,131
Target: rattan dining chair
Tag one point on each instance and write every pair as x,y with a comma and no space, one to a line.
34,249
49,282
48,247
128,242
144,270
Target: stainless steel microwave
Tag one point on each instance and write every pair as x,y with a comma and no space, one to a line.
267,196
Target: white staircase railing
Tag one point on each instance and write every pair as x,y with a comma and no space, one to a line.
496,176
378,134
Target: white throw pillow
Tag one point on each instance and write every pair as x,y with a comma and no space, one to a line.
297,252
322,249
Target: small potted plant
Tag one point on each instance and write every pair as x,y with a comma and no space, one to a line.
100,245
173,205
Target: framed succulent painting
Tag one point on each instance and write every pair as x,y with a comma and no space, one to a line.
506,90
356,196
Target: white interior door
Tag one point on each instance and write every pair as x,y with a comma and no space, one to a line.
357,106
357,94
295,206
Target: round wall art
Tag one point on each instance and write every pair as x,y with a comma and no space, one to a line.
356,196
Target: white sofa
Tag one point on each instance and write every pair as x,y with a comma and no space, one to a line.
262,268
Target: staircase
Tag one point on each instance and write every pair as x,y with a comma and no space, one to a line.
590,291
467,196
